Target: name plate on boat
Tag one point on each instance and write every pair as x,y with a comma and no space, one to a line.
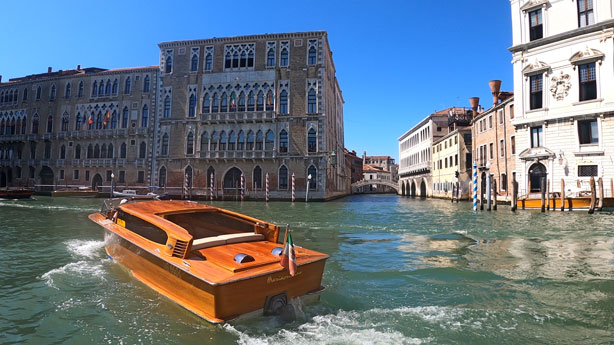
121,222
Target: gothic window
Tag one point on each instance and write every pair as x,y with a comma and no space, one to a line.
232,139
189,150
80,91
283,177
204,142
259,140
90,121
78,122
243,60
52,93
162,177
50,124
241,141
250,141
283,60
99,120
192,106
242,101
103,151
122,151
127,86
96,151
312,107
25,94
146,84
312,58
110,151
269,140
164,147
78,152
223,141
250,58
228,60
169,64
208,62
194,63
115,87
167,107
283,102
47,150
313,183
114,120
283,141
260,101
215,107
35,124
311,141
38,93
107,90
224,103
270,58
588,82
23,125
125,118
214,140
65,122
239,56
145,117
250,101
269,100
142,149
206,104
67,91
257,178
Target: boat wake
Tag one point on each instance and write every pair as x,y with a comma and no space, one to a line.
90,264
36,206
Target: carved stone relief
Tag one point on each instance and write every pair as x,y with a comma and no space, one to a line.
560,86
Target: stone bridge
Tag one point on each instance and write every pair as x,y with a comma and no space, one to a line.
362,183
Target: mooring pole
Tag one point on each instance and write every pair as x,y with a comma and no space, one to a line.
488,192
547,194
562,195
601,194
514,193
591,208
475,187
542,189
494,192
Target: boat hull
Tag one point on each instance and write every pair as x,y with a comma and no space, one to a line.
16,194
583,203
213,302
75,194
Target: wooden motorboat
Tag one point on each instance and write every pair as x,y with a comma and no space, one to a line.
533,201
16,193
131,193
216,263
80,192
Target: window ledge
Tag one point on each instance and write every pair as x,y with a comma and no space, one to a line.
589,153
596,100
535,110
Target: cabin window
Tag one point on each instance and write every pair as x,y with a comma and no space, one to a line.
143,228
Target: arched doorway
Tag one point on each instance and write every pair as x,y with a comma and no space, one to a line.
232,182
2,179
423,190
96,181
46,176
403,188
413,190
537,171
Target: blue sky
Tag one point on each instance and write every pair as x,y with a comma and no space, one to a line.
397,61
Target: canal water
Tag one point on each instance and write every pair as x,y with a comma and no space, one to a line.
402,271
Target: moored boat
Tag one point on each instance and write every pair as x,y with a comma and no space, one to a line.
16,193
79,192
553,202
216,263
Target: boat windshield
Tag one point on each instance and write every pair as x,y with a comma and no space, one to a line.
211,223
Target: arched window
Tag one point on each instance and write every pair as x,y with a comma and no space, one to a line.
241,141
250,101
283,141
25,93
312,59
283,61
210,177
164,148
313,183
96,151
115,86
223,141
208,62
259,140
122,151
269,140
283,102
224,103
215,107
214,140
227,60
257,178
311,102
65,122
169,64
142,150
204,142
127,85
250,141
23,125
13,126
80,91
167,107
260,101
78,122
52,93
99,120
78,151
90,151
192,106
283,177
107,90
250,59
2,126
189,147
242,101
145,117
47,150
162,177
146,86
206,104
243,59
235,60
114,119
312,141
67,91
35,124
90,121
38,93
18,129
231,141
125,117
110,151
270,58
103,151
269,101
50,124
194,64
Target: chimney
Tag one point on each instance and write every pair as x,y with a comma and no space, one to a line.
474,102
495,87
48,69
0,78
78,67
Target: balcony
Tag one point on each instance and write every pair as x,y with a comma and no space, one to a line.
237,154
237,117
140,163
32,137
120,161
76,162
59,162
47,136
32,162
45,162
141,131
61,135
13,138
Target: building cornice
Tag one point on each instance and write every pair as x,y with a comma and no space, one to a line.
601,26
493,109
307,34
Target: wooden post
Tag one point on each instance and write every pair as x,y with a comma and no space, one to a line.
578,183
591,208
601,195
482,185
547,195
612,188
452,196
542,189
514,193
562,195
494,191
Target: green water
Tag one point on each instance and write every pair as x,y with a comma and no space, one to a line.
402,271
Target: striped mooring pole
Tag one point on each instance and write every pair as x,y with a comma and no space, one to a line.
293,187
211,188
475,186
266,195
185,186
242,189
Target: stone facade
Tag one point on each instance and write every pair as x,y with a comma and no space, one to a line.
384,162
563,59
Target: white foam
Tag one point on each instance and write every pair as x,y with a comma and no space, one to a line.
80,268
88,249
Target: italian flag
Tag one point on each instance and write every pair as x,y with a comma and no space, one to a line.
288,256
232,100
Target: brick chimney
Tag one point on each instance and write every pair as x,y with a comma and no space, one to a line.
48,69
78,67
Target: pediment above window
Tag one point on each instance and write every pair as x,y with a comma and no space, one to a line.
533,5
586,55
536,154
535,68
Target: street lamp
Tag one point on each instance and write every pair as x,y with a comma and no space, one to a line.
112,181
488,195
307,188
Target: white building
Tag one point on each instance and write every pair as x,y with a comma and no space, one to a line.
564,91
415,159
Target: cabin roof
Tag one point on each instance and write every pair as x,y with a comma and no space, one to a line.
166,207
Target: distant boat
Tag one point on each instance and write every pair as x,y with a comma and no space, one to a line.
127,193
79,192
215,263
16,193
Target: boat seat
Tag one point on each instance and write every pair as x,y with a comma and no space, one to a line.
242,237
207,242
